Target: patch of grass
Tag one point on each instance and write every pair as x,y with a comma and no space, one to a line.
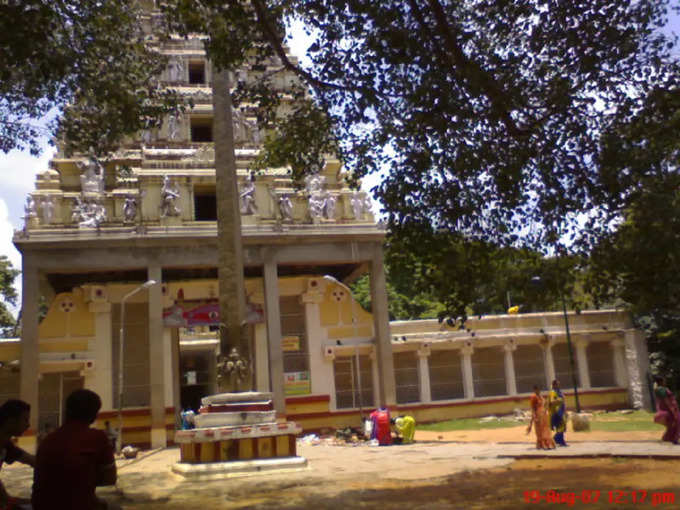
617,422
608,422
469,424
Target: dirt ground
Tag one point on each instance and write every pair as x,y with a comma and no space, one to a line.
506,487
496,488
481,483
608,482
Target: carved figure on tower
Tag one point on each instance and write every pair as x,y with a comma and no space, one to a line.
169,198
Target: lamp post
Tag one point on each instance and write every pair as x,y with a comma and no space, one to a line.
121,345
537,280
356,347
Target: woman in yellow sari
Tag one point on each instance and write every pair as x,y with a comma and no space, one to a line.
541,421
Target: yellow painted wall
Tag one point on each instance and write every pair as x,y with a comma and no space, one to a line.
338,315
9,351
68,316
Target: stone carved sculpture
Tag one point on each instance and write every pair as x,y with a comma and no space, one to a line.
48,206
176,69
30,210
174,125
88,213
232,371
205,153
331,200
361,205
147,136
245,131
92,177
283,204
130,209
286,207
321,202
247,198
169,197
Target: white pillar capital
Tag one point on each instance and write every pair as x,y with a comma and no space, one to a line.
581,343
424,351
311,297
467,349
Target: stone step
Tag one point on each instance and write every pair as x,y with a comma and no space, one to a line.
229,398
233,419
237,407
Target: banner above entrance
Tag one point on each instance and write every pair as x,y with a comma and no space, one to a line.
204,313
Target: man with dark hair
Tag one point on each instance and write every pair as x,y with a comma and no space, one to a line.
14,421
74,459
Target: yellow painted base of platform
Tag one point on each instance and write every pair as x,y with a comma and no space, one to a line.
232,450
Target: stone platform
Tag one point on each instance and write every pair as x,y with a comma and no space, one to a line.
216,470
221,444
237,433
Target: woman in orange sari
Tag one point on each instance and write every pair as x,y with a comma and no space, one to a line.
541,421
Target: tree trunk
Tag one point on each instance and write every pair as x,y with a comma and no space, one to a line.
233,329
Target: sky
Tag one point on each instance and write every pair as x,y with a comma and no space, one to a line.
18,170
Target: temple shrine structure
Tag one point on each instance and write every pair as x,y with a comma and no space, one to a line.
94,233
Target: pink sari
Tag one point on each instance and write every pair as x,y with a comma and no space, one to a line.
667,414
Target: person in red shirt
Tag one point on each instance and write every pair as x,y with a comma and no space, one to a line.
74,459
14,421
381,426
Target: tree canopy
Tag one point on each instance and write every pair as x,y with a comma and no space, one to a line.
8,296
636,265
88,62
487,118
524,124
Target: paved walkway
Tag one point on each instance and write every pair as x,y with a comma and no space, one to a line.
149,478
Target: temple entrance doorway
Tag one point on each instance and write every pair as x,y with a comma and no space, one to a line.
54,387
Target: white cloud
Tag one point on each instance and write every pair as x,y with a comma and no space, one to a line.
17,174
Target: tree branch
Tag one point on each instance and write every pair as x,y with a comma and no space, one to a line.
491,89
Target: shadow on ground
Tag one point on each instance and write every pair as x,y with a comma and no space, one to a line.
501,488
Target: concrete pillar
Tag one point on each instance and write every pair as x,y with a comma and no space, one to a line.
156,359
261,359
582,363
637,365
176,392
320,370
387,395
273,316
466,368
102,350
30,357
376,378
424,374
548,362
510,380
167,368
618,353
